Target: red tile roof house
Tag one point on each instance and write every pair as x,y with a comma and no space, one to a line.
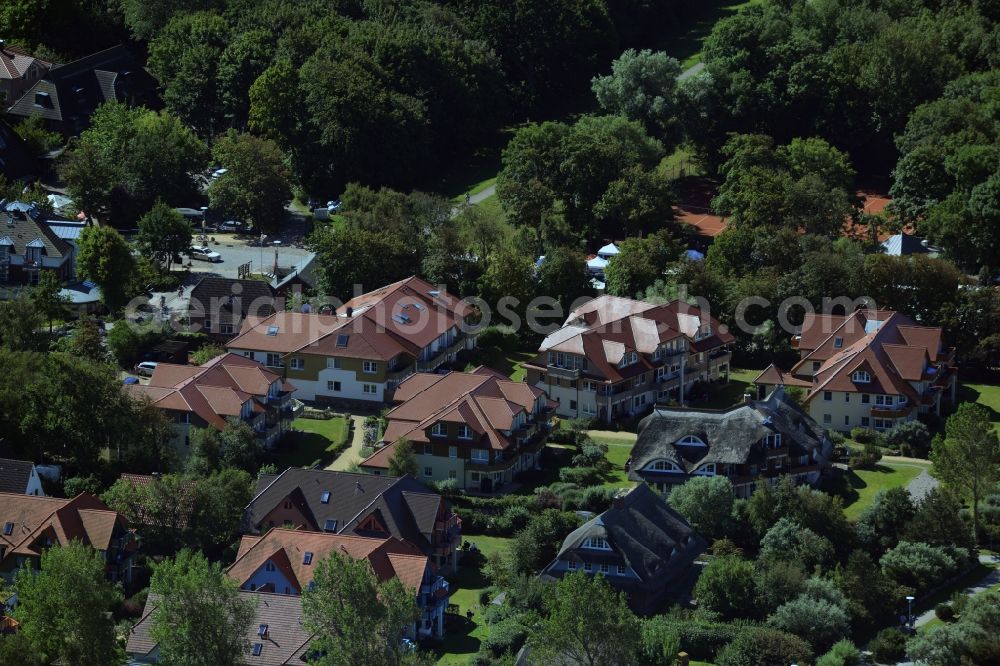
226,387
355,358
29,524
868,369
479,428
283,561
616,357
344,503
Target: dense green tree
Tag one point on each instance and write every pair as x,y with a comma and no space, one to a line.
938,521
967,459
129,158
20,321
705,502
205,451
918,566
640,262
105,258
256,185
882,524
639,202
65,608
355,618
347,257
37,139
843,653
726,587
199,617
563,276
816,620
588,622
245,58
86,342
764,647
537,544
642,86
403,460
508,275
163,234
791,542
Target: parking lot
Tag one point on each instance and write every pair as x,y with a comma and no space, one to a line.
237,250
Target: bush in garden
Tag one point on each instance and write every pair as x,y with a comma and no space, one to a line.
911,437
944,612
843,653
888,646
866,458
918,565
505,637
818,621
581,476
591,453
503,338
762,646
863,435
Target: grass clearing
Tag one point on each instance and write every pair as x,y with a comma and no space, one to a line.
619,451
509,363
317,442
987,395
726,395
865,484
463,638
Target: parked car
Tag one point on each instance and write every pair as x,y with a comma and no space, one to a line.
219,172
333,206
145,368
231,226
204,253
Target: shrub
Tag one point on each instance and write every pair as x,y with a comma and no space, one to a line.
660,641
706,502
843,653
506,637
911,437
944,612
82,484
703,640
503,338
888,646
866,458
596,499
917,565
727,586
818,621
591,453
863,435
762,646
581,476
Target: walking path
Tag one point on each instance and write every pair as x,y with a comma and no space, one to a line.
923,483
353,453
990,579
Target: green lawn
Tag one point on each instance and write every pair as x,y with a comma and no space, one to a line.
619,450
987,395
729,394
467,583
507,363
318,442
864,484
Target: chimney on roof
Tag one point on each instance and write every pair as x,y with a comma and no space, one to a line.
747,398
349,312
358,488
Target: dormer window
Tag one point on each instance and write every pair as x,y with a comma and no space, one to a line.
773,441
439,430
464,432
861,377
690,440
597,543
665,466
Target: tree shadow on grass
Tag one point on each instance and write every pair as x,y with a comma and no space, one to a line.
302,449
968,394
458,642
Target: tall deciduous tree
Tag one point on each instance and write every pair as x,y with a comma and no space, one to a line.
64,609
255,185
356,618
347,257
163,233
706,502
563,276
47,298
20,320
200,618
403,459
642,86
106,258
968,457
589,623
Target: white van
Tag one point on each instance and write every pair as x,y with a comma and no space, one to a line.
145,369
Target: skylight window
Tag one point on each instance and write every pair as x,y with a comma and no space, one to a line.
838,343
325,497
272,331
262,630
8,528
342,340
330,525
307,558
418,306
257,649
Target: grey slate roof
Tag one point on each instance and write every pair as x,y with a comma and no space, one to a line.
405,506
643,531
731,435
246,292
286,643
14,475
21,223
72,91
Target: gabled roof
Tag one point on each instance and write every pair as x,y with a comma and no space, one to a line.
15,61
730,436
482,400
72,91
900,245
651,538
606,328
23,224
287,640
31,517
388,557
15,475
214,390
407,507
244,293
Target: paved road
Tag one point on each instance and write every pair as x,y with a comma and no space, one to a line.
236,251
990,579
353,453
691,71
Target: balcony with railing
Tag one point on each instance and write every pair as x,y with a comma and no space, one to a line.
562,373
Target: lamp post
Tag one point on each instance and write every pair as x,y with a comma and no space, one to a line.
263,237
909,610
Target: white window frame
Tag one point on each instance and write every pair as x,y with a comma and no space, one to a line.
369,367
332,363
481,456
464,431
861,377
439,429
276,358
297,363
369,389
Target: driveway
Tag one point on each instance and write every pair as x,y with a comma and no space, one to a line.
352,454
236,250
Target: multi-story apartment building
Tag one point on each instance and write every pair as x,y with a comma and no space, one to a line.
29,524
477,428
209,395
284,561
640,545
357,356
869,369
758,441
343,503
616,356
